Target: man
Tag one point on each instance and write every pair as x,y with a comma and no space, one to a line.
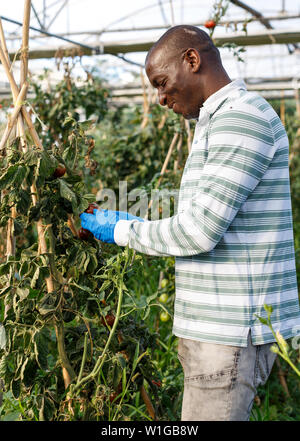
232,235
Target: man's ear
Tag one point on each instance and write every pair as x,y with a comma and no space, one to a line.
193,58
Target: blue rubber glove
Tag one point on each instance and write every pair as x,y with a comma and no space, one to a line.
102,223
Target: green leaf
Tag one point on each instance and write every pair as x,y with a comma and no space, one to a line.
124,380
67,193
147,312
136,356
23,202
4,291
22,292
2,337
48,304
11,416
35,277
18,227
28,372
8,176
3,366
46,165
263,321
49,409
152,297
82,287
4,268
15,387
20,175
41,341
268,309
30,157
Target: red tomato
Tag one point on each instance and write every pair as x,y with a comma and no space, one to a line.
93,206
210,24
84,234
60,171
109,318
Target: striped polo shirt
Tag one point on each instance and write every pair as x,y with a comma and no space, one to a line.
232,234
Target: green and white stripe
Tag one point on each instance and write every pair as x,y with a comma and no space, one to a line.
233,234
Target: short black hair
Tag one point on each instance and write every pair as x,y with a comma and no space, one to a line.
179,38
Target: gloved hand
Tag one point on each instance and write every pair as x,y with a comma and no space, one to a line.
102,223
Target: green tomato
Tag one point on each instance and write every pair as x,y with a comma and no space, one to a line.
164,283
163,298
164,316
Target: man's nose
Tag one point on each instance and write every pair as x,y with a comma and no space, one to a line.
162,99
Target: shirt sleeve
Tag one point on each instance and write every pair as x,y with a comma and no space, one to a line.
241,147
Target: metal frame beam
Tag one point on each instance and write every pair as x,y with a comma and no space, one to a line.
114,48
158,27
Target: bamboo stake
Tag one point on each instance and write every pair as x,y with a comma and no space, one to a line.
71,225
3,43
179,151
14,115
165,164
25,42
282,379
146,104
297,101
162,121
10,239
24,63
15,92
282,108
4,47
189,138
147,401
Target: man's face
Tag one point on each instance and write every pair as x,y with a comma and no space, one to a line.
175,83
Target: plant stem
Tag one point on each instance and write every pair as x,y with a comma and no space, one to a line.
83,357
68,372
102,358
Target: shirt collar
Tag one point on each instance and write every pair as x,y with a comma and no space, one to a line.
214,100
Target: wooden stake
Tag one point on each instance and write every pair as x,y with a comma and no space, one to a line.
15,92
162,121
146,104
14,115
165,164
147,401
71,225
179,151
25,42
282,378
297,102
189,136
282,108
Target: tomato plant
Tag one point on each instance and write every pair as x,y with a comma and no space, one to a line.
58,360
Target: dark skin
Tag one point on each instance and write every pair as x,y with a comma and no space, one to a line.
185,81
